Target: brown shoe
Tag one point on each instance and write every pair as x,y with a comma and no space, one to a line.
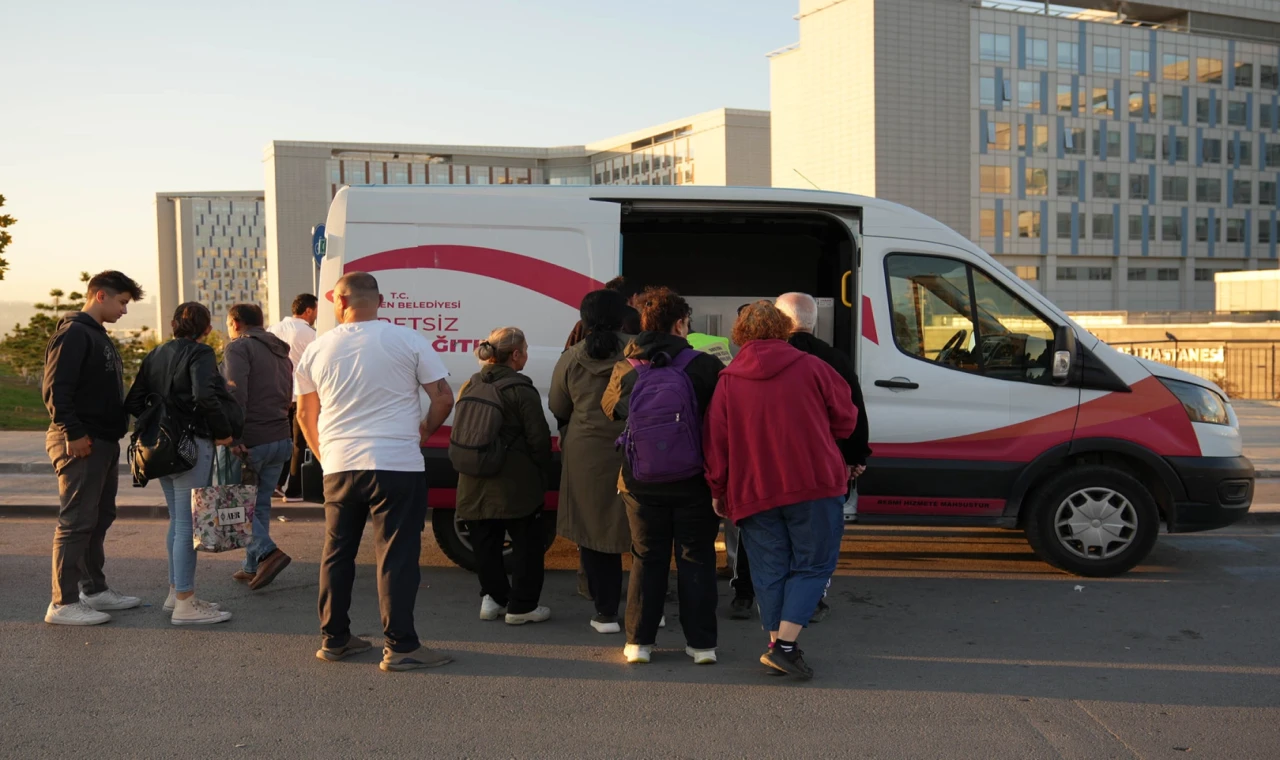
269,567
242,577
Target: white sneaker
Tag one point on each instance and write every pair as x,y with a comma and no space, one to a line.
110,600
195,611
173,600
533,616
491,610
663,622
74,614
701,656
637,653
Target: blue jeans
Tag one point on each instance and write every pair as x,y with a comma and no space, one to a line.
268,461
180,539
793,552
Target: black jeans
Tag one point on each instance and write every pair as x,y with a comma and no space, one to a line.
657,527
397,502
742,588
604,579
291,476
487,536
87,497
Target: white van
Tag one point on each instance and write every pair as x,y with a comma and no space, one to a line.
987,405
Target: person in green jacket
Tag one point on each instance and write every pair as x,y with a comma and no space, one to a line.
509,503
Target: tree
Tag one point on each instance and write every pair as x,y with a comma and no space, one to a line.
5,238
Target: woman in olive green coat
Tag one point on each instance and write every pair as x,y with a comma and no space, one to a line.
590,512
510,502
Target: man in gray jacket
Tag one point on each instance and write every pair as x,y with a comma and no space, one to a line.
260,376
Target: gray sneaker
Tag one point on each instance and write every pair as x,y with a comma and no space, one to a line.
422,657
353,646
110,600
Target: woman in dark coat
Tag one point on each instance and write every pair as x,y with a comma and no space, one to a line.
590,511
199,398
510,502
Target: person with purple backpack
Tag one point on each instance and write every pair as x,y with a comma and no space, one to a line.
662,389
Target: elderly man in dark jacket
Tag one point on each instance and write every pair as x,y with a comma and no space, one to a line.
260,376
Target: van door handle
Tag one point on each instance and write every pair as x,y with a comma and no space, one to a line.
898,383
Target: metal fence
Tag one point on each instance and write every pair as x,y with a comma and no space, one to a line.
1245,369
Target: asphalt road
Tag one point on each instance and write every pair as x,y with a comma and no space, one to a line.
941,643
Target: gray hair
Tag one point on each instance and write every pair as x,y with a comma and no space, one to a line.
801,309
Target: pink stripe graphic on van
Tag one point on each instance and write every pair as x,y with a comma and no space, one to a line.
869,321
551,280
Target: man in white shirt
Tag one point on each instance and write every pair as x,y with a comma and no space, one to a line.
358,406
298,331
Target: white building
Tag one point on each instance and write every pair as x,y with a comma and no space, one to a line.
212,250
1117,160
721,147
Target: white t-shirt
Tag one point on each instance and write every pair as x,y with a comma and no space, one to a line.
368,376
298,334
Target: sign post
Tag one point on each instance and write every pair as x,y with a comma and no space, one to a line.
317,252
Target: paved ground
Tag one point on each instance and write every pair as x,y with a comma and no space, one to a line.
942,643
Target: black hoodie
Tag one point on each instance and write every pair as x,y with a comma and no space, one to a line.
856,448
704,371
83,384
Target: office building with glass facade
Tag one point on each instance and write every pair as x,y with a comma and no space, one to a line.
212,249
1114,155
721,147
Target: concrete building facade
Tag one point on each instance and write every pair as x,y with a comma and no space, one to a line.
1114,155
212,249
721,147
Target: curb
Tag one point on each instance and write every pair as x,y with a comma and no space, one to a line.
142,512
39,468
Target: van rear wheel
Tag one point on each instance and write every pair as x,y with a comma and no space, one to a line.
454,538
1094,521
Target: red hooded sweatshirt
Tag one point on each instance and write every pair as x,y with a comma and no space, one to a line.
769,437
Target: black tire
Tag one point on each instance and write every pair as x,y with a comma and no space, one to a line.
451,537
1136,516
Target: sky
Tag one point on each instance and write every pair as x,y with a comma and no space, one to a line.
102,105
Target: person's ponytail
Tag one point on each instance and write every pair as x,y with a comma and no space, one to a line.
602,315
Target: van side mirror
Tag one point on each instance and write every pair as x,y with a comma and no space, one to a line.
1064,354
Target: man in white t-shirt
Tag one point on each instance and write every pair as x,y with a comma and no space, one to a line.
358,406
298,331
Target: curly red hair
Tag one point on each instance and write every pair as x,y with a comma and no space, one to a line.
761,321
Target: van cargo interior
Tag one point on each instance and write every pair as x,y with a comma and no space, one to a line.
720,260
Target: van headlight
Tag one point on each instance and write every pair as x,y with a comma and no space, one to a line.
1202,404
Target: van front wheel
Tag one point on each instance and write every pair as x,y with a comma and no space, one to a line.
1094,521
454,538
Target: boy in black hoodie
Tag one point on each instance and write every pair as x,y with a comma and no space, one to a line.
83,390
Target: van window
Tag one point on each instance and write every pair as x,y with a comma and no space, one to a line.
935,320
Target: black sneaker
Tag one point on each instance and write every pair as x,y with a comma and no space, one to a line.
820,614
740,608
606,624
792,664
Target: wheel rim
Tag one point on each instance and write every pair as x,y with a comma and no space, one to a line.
1096,523
463,530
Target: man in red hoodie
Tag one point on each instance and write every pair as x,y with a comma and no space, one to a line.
775,471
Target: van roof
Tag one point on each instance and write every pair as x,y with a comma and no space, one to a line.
880,218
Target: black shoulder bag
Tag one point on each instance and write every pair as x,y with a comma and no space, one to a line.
162,443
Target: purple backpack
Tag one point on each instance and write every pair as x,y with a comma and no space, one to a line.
663,437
